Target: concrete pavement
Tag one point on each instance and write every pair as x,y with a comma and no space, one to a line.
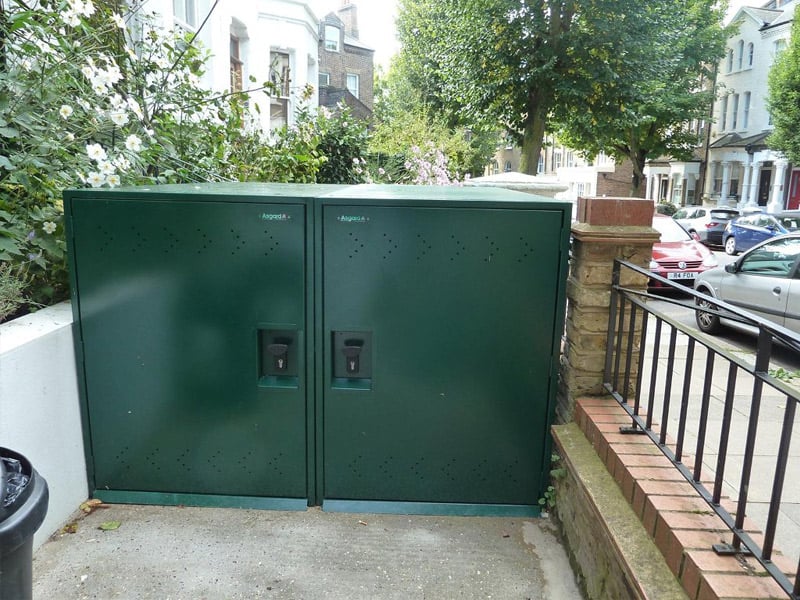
209,553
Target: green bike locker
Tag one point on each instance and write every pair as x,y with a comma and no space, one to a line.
180,293
378,348
455,298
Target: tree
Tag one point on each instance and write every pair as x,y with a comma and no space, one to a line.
508,60
640,106
405,119
784,98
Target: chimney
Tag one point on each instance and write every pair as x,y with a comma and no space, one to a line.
349,16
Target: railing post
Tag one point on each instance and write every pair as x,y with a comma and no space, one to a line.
606,229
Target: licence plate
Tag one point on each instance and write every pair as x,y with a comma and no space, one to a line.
680,275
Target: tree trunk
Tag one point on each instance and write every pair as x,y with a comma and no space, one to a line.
532,144
638,159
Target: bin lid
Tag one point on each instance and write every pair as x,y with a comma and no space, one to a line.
15,476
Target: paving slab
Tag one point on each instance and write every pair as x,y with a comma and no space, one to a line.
209,553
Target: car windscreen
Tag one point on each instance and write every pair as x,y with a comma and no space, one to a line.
724,214
670,230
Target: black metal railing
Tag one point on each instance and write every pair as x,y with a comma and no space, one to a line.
653,364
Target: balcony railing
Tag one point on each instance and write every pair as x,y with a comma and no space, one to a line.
698,400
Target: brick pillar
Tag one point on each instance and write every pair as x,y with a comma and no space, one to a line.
607,228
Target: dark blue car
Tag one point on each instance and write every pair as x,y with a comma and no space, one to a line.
745,232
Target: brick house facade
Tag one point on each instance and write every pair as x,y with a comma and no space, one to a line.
346,65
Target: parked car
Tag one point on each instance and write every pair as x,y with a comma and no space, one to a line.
763,281
746,231
708,223
678,256
790,219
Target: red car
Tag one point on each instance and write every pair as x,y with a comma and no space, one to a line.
678,256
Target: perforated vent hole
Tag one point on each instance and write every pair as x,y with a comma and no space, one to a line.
492,250
238,242
104,237
386,468
458,247
153,459
215,463
121,460
204,241
423,247
448,469
389,246
182,460
525,251
246,463
172,241
356,467
270,244
356,245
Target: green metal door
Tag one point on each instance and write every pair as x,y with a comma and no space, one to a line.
454,314
180,305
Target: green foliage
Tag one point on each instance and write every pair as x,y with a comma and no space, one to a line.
784,98
12,286
654,79
548,500
343,141
663,207
404,121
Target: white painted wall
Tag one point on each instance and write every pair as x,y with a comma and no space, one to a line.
39,407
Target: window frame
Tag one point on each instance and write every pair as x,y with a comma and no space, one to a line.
184,12
332,43
357,81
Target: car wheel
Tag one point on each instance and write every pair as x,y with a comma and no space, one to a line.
730,246
706,322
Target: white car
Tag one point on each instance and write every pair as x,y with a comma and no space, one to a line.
765,281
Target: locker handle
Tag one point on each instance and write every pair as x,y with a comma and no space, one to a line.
352,350
279,356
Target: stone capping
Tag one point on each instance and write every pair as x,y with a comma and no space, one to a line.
614,234
681,524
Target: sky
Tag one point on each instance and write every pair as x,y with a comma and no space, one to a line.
375,24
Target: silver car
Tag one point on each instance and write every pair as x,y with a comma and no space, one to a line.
708,223
765,281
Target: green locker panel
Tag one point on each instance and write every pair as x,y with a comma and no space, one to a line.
181,304
457,309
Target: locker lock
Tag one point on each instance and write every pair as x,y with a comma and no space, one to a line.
352,351
280,356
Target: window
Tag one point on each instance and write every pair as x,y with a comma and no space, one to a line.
740,55
352,84
724,114
332,34
775,259
730,60
540,164
507,167
556,159
570,159
780,46
495,168
279,72
185,12
734,111
324,79
236,66
750,52
746,111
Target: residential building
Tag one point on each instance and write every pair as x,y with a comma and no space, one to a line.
252,42
735,166
742,169
346,65
597,177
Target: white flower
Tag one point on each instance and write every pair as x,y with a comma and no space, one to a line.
88,8
99,88
119,118
162,63
134,106
70,17
49,227
95,179
95,152
69,136
133,143
65,111
122,163
106,168
118,21
113,180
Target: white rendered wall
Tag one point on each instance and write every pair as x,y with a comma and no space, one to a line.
39,407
